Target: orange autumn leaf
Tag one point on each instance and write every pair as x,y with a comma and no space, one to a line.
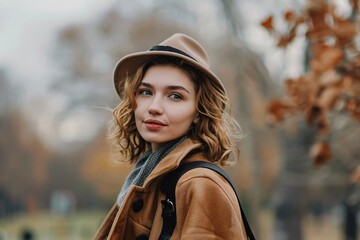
284,41
277,110
354,4
317,49
356,116
356,61
344,29
331,57
301,90
331,82
316,116
313,114
268,24
319,31
328,98
316,66
289,16
353,107
355,72
323,125
355,175
330,78
328,58
350,70
317,26
320,153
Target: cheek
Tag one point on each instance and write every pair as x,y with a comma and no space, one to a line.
184,116
137,114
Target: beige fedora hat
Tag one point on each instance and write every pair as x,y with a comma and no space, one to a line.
178,45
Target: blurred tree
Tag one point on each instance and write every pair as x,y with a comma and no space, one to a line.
329,88
23,156
331,82
250,88
105,175
24,173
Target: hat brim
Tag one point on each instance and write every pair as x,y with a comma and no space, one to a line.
129,64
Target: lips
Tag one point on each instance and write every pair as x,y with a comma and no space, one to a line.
153,124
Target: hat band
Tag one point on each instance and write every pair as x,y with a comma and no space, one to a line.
170,49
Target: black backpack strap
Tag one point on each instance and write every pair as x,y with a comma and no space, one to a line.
168,185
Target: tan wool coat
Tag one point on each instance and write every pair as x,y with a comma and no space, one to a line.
206,205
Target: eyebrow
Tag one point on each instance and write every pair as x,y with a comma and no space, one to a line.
171,87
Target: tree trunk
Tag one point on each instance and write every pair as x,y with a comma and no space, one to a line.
351,207
290,202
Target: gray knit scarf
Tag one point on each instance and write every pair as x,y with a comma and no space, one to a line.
144,166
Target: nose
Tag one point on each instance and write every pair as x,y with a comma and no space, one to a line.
155,107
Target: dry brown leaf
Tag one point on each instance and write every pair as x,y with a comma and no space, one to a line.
329,97
317,49
284,41
330,77
277,111
333,79
318,28
331,9
353,106
355,61
316,6
289,16
356,116
313,114
354,4
316,116
344,30
328,58
355,175
320,153
319,32
350,70
316,66
323,125
301,90
332,57
268,24
347,83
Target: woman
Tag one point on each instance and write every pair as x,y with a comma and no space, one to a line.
172,112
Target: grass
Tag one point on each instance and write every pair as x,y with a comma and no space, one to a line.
83,225
77,226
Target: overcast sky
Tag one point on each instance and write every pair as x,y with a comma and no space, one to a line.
27,32
27,29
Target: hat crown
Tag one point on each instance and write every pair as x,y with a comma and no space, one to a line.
188,45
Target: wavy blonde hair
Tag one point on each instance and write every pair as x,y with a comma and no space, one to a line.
216,129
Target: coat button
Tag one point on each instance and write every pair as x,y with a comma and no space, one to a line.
137,205
141,237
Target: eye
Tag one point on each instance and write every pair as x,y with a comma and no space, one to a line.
175,96
144,92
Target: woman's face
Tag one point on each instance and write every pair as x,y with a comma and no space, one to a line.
166,105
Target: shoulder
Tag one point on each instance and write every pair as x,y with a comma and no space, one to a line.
199,173
203,182
204,194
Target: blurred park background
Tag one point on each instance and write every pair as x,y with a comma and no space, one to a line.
58,177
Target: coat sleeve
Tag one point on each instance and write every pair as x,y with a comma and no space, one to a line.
207,208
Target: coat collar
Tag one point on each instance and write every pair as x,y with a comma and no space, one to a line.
174,158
